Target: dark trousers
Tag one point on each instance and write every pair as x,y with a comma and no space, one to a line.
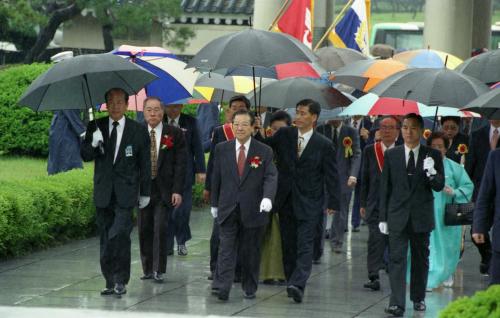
356,217
319,238
238,240
297,243
214,250
398,253
178,225
339,221
114,225
484,249
152,223
377,243
495,268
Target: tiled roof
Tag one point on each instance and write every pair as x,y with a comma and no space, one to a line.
218,6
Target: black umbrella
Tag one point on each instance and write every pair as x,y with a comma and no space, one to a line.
82,81
432,87
288,92
488,105
485,67
332,58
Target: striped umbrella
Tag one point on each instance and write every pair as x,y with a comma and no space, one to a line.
427,58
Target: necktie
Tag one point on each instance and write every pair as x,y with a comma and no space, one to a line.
173,123
112,140
154,155
241,160
494,139
355,124
300,146
335,137
410,168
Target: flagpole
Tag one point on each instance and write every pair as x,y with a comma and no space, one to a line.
281,11
334,23
368,6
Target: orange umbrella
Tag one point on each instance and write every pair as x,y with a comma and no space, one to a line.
365,74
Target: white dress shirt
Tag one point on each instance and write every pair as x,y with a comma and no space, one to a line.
358,123
384,148
119,133
247,146
158,129
176,120
306,137
492,129
415,153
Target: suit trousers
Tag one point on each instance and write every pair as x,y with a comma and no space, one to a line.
152,223
178,225
238,240
319,238
297,244
339,221
495,268
398,253
377,243
114,225
356,216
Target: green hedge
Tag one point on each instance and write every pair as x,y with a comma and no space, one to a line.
40,212
482,305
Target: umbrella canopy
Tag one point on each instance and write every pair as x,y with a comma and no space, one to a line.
484,67
427,58
325,115
237,84
82,81
432,86
174,80
333,58
365,74
280,71
287,93
488,105
250,47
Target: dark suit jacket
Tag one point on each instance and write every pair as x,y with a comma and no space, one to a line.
303,179
475,161
489,196
400,199
218,136
171,174
129,176
370,184
230,191
452,152
195,158
349,166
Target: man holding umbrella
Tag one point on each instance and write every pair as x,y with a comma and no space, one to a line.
122,176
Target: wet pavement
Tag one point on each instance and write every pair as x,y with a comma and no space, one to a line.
68,277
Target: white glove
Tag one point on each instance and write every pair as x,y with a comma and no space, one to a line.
96,138
214,211
266,205
429,166
143,201
382,226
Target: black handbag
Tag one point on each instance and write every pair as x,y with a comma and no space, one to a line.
458,213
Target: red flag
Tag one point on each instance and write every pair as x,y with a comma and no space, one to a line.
298,21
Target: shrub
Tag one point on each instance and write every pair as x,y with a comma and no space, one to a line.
482,304
44,211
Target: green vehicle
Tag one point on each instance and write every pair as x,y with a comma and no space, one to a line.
410,36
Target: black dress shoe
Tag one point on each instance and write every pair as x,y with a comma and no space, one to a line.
372,284
211,276
147,276
158,277
419,306
355,229
396,311
237,279
170,253
120,289
484,268
107,292
295,292
317,261
223,295
249,295
182,250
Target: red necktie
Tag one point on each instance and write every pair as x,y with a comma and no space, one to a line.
241,160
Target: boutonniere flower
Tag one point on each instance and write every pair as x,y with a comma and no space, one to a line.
347,142
255,162
462,149
167,142
269,132
427,133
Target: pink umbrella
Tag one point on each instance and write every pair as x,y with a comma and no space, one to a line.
135,102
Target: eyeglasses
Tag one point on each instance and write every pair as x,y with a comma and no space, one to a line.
387,127
243,125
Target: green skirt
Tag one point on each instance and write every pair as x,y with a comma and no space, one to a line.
271,263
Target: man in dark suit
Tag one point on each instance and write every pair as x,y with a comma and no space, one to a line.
348,158
306,165
482,141
244,184
122,175
409,175
371,171
450,125
220,134
178,225
487,212
168,168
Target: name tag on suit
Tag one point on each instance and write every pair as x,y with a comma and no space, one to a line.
128,151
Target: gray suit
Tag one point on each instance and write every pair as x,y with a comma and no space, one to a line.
346,166
238,202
